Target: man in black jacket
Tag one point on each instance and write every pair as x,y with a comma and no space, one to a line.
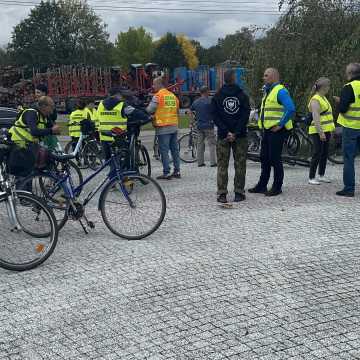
231,112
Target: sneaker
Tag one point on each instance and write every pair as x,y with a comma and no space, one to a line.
176,175
273,192
257,190
324,179
345,193
201,165
314,182
222,199
213,165
164,177
239,197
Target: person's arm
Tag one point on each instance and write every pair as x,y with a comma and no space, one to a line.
135,116
286,101
30,118
244,114
316,111
154,103
346,99
216,116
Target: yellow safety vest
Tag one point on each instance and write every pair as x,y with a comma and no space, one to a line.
167,111
326,115
108,119
74,123
20,132
351,119
273,111
93,117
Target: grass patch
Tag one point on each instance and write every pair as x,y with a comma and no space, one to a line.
183,124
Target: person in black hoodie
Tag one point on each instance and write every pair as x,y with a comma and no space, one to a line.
231,110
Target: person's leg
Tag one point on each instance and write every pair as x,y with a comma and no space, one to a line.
223,155
164,147
210,134
174,148
240,151
315,138
265,162
349,138
201,147
276,146
324,154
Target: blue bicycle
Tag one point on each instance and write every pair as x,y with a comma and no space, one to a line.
132,205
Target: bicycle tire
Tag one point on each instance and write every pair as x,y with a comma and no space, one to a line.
92,155
130,186
42,186
80,159
189,146
335,152
37,206
144,161
293,144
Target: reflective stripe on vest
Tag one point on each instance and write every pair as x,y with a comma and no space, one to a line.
108,119
167,111
273,111
351,119
326,118
20,132
74,123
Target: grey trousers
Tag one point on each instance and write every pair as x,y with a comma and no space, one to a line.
209,135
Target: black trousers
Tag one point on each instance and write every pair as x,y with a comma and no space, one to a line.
270,155
320,154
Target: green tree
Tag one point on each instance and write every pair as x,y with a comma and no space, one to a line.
4,57
168,52
60,32
133,46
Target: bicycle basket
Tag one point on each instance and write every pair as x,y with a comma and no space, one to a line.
87,127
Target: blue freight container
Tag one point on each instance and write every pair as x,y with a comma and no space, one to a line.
180,73
239,76
202,76
212,79
190,80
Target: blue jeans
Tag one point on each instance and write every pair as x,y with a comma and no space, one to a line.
168,142
350,144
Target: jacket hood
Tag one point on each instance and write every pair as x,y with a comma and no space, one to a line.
231,90
111,102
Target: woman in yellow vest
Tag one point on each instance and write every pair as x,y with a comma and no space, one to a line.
320,130
76,116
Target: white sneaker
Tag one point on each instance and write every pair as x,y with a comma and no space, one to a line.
314,182
324,179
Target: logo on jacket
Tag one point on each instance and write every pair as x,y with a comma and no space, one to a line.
231,105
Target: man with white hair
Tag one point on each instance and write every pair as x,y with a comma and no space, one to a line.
349,118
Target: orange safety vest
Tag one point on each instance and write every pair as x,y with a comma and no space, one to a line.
167,111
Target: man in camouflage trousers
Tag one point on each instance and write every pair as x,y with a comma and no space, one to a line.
231,111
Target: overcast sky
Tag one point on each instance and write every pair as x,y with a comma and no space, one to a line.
205,27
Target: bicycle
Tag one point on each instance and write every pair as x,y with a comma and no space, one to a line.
90,154
28,227
123,192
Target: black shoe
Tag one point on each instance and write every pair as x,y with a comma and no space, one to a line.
257,190
345,193
222,199
176,175
164,177
239,197
201,165
273,192
213,165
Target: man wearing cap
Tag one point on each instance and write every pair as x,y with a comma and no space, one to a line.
205,127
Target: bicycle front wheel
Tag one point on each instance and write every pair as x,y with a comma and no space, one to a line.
188,148
93,155
28,231
134,207
143,162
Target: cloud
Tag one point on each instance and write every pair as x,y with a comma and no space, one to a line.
202,27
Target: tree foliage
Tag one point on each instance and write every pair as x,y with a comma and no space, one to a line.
133,46
60,32
189,51
168,52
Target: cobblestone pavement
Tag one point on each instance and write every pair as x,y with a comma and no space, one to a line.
274,278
